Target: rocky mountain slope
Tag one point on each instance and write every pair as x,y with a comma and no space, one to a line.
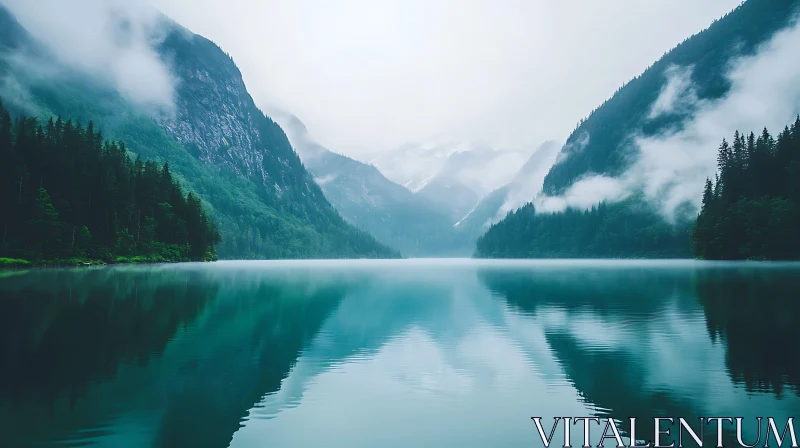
368,200
219,144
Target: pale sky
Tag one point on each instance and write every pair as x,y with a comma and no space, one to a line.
368,75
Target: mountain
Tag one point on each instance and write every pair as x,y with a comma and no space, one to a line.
525,185
601,143
218,143
455,176
414,165
368,200
632,224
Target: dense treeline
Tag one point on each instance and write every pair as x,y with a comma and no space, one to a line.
752,209
66,193
628,229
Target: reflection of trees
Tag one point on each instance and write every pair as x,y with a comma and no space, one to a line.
625,292
60,331
242,352
615,383
612,379
755,312
184,353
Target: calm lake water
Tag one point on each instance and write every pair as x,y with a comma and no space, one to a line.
411,353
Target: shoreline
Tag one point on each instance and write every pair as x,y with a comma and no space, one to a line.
21,263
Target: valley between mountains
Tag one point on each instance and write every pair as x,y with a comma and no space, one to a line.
627,183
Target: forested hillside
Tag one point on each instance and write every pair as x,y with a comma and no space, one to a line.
600,143
65,193
752,210
603,144
218,143
616,230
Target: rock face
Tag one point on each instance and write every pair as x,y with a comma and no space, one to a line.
217,142
217,120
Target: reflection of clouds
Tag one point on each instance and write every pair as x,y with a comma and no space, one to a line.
529,336
674,351
407,353
438,340
455,373
494,355
589,329
416,362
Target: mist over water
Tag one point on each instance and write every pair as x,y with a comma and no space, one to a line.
390,353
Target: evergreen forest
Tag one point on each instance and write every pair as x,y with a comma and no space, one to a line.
751,210
627,229
69,196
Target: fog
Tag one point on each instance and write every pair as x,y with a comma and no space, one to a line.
368,76
110,40
671,168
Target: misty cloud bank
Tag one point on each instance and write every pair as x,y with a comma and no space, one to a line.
671,168
530,180
110,40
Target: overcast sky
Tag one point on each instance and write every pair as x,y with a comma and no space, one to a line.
368,75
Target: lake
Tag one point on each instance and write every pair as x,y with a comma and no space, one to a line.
407,353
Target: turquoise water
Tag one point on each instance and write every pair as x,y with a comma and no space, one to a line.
408,353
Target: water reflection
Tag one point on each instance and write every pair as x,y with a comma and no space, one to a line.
149,356
631,339
755,313
391,354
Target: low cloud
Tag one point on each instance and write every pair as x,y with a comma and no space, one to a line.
530,180
584,194
671,168
110,40
574,147
678,95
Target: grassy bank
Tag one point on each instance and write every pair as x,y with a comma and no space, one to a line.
14,263
21,263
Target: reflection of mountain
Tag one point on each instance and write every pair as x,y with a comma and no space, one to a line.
756,315
59,336
633,341
608,290
177,370
391,304
247,354
249,345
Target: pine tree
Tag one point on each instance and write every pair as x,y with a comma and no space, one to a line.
752,211
65,192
